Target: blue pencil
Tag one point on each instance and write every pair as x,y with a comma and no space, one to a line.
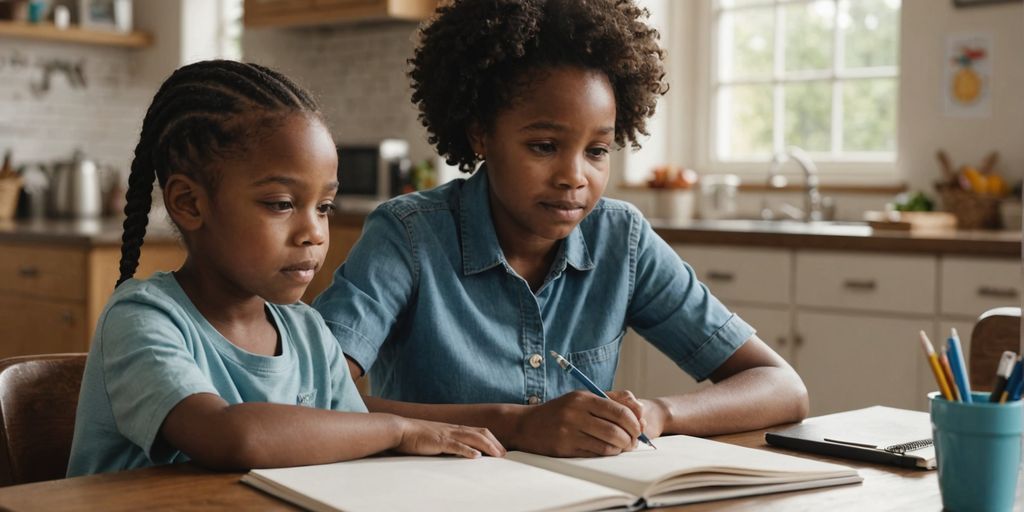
956,364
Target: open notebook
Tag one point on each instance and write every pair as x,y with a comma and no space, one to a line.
876,434
682,470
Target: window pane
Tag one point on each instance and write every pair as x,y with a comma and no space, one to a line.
809,29
745,44
869,115
870,32
744,121
809,115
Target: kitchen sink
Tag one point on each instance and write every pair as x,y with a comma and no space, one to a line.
824,227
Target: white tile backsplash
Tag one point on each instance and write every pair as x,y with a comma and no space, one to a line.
102,117
356,72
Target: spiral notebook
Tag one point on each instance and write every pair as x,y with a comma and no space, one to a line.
877,434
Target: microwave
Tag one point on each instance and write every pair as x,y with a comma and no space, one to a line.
371,174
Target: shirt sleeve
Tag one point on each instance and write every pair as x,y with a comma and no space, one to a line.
147,370
372,288
345,396
676,313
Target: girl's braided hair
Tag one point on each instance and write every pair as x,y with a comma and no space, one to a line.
202,112
476,57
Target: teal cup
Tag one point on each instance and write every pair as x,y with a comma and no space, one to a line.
978,450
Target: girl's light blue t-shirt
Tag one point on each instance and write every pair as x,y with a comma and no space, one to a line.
153,348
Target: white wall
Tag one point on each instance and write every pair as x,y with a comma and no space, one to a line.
923,127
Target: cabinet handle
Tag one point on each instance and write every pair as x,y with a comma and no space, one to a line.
860,284
724,277
997,293
28,271
67,317
798,340
781,341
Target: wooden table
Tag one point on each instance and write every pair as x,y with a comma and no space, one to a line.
186,487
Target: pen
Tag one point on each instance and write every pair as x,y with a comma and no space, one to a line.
572,370
1003,371
933,362
1013,383
956,363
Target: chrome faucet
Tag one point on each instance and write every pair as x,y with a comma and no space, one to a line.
812,197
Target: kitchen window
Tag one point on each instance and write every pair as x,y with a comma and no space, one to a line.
819,74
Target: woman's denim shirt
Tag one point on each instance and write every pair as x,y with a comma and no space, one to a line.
428,303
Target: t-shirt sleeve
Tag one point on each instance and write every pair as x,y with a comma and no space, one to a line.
676,312
147,370
345,396
372,288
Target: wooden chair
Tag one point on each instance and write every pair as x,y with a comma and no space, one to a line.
997,330
38,399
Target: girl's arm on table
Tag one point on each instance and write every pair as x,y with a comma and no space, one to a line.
254,435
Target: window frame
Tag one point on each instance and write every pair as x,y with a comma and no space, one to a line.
848,166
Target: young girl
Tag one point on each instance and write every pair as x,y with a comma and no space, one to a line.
456,296
219,362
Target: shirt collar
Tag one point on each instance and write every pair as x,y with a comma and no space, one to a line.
480,248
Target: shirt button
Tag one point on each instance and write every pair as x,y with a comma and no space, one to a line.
533,400
536,360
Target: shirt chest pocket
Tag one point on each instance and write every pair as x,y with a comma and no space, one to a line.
599,363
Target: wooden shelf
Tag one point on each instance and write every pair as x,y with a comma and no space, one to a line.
48,32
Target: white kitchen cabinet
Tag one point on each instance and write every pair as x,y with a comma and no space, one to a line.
850,361
848,322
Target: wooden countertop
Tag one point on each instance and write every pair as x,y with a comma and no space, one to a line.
836,236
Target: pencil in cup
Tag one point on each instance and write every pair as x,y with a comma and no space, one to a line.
580,376
948,373
1003,372
933,362
956,363
1014,383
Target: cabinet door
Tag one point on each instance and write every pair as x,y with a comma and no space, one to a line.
852,361
649,373
29,326
342,240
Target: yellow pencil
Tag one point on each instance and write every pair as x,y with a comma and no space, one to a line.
933,361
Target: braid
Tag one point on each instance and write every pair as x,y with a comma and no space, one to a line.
201,111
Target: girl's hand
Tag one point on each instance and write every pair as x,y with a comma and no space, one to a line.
421,437
581,424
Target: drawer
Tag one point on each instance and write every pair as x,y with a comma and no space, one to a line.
42,271
867,282
29,326
970,286
745,275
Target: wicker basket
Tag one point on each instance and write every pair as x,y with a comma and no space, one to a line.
972,211
9,188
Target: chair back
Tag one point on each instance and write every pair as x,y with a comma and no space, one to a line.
997,330
38,400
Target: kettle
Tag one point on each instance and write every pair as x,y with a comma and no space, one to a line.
75,188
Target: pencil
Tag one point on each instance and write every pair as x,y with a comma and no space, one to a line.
933,362
948,373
